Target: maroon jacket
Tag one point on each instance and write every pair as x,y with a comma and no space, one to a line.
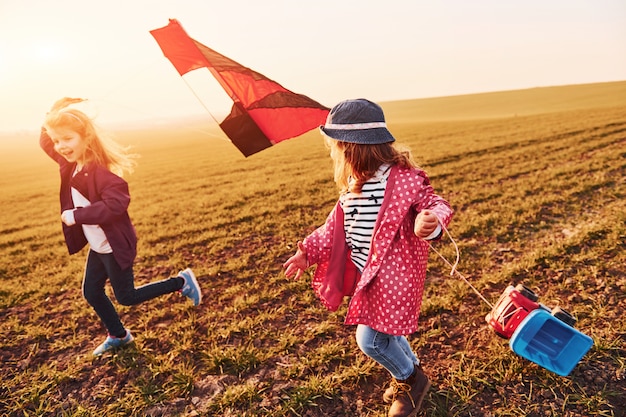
109,197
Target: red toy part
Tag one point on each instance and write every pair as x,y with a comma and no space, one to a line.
512,307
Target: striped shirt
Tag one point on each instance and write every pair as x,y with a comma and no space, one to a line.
360,213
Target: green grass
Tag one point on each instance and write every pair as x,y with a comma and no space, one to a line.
539,190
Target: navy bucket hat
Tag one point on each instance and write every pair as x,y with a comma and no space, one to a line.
357,121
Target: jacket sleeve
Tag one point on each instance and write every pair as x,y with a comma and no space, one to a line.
113,200
318,244
433,202
48,147
335,276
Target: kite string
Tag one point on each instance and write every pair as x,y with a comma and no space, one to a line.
204,106
456,263
199,99
131,77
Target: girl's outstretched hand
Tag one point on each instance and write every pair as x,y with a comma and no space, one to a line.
296,265
64,102
425,223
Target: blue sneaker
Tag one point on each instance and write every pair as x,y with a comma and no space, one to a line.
113,343
190,289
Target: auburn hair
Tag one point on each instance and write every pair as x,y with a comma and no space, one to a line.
360,162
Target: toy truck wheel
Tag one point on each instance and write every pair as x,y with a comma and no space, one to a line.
527,292
564,316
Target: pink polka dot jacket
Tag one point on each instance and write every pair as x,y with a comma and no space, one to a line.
387,296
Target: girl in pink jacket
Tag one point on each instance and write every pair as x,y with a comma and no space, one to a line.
373,246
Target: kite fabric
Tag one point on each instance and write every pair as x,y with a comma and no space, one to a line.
263,112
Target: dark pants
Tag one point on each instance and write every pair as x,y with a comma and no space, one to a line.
101,267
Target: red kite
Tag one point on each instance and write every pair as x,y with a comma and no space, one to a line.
263,112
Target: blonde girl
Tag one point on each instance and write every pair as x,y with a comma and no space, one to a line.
373,246
94,203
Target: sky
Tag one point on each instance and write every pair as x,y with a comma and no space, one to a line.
329,50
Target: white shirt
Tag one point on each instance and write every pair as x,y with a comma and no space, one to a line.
360,212
95,235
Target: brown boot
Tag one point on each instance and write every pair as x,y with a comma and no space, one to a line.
390,392
409,394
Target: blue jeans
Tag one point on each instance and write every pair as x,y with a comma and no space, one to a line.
103,266
394,353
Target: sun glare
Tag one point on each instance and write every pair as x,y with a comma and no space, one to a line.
48,52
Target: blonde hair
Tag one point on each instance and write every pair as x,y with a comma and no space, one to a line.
362,161
101,149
